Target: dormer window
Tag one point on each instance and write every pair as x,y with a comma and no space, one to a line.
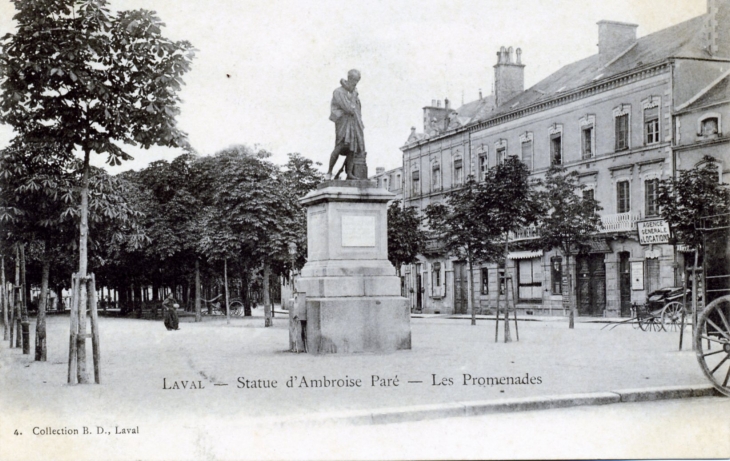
709,127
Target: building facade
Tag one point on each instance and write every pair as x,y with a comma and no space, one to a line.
624,119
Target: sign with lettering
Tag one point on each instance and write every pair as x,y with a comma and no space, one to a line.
653,232
358,231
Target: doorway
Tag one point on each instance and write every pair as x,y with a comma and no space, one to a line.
591,271
461,288
624,283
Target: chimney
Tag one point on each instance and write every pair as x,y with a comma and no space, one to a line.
379,170
613,39
435,111
509,76
716,32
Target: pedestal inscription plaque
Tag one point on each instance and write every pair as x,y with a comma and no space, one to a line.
358,231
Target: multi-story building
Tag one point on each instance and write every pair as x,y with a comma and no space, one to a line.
624,118
391,180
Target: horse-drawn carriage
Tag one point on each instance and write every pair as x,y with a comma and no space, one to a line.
712,332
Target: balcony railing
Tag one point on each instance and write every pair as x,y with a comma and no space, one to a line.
525,234
620,221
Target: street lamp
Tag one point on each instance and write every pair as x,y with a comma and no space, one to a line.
292,258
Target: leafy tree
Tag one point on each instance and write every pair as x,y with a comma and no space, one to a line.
694,200
406,239
694,194
39,185
462,229
76,75
254,206
570,220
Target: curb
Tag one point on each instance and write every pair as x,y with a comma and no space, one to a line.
477,408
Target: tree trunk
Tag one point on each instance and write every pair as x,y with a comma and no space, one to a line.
471,288
507,333
225,287
26,286
4,300
571,304
198,316
17,298
268,321
40,326
83,377
246,294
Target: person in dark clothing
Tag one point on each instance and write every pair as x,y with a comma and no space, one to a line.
171,320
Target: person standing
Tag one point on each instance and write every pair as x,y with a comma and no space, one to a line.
171,319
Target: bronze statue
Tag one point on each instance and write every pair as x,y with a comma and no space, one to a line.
349,137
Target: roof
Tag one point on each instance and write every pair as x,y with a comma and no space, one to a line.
717,93
683,40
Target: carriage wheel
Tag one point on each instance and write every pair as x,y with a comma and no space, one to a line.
643,322
236,307
712,343
672,316
655,324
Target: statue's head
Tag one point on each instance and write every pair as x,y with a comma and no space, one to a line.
353,76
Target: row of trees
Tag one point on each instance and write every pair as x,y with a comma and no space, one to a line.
476,220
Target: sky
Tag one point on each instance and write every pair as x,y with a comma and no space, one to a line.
264,71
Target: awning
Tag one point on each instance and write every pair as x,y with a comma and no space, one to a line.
524,254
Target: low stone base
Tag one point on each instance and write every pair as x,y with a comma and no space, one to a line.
351,325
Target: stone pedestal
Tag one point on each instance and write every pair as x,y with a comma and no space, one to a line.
353,301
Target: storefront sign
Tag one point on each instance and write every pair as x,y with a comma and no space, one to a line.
653,232
637,275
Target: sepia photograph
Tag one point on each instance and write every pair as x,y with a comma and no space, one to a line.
367,230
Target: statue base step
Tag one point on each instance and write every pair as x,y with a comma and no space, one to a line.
352,325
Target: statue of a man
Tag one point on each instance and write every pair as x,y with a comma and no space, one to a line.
346,113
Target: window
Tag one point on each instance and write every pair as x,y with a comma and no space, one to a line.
589,194
622,132
485,281
385,184
483,166
415,182
556,274
398,181
501,155
556,149
709,126
651,192
529,280
458,172
587,142
436,275
623,204
651,125
436,177
527,154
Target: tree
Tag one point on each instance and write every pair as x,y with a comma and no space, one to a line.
406,239
692,201
255,210
569,221
39,185
462,229
696,193
76,75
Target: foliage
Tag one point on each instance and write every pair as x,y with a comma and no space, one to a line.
570,218
77,75
406,239
694,194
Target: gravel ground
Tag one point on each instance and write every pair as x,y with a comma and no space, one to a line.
237,363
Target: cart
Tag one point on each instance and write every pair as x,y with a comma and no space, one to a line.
712,334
